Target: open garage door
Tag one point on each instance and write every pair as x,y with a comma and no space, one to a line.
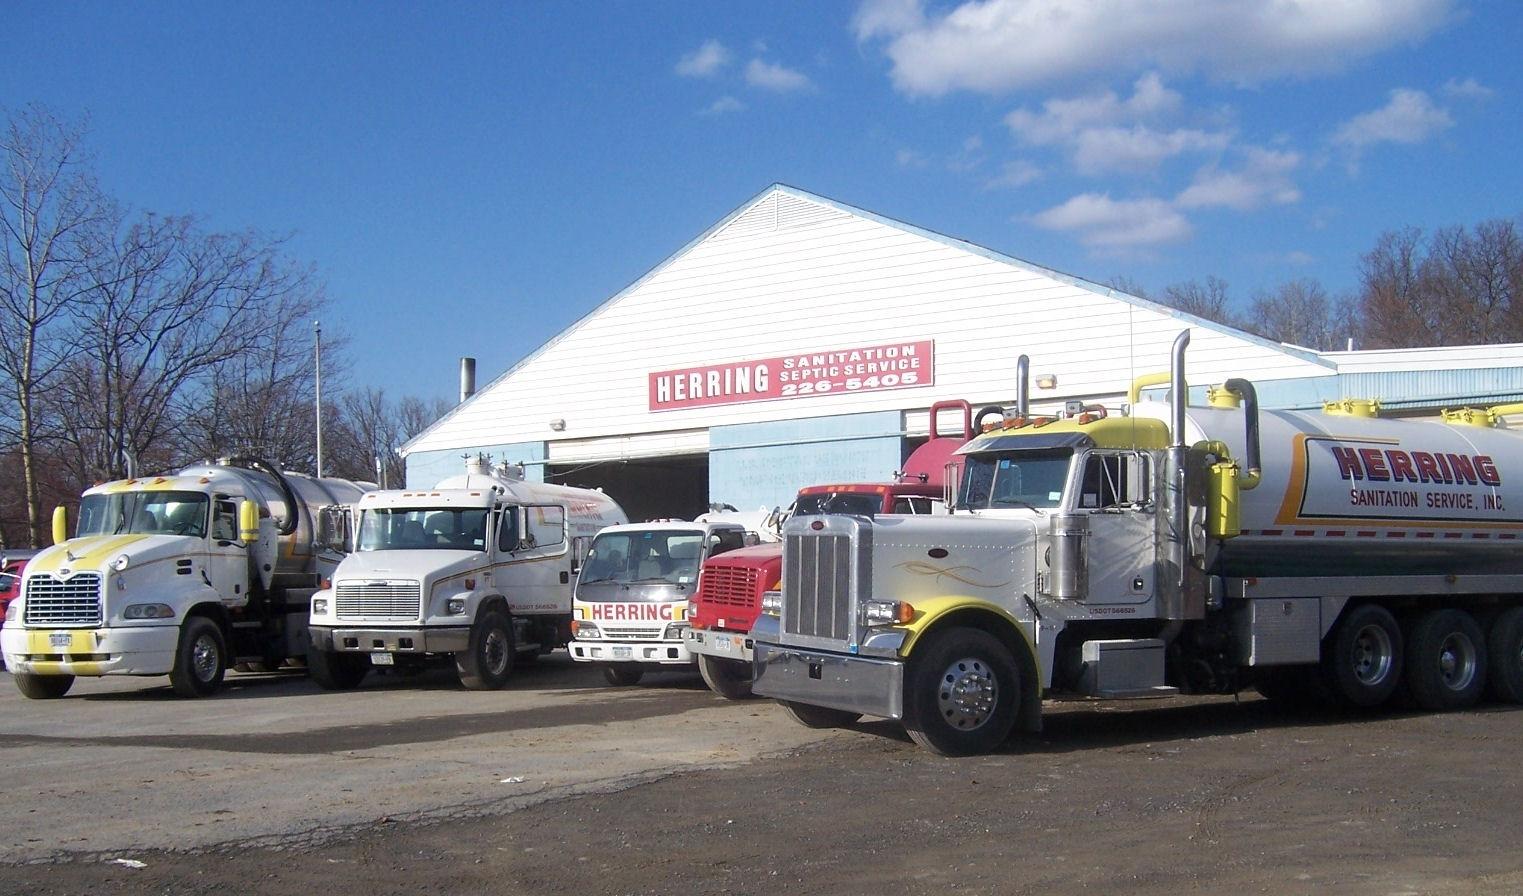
675,487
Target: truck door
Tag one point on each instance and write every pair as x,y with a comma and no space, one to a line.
531,570
1114,491
227,561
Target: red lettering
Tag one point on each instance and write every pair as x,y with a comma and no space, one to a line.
1427,467
1374,464
1401,466
1348,463
1462,468
1487,470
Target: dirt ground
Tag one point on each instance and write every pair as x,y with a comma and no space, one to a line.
1163,797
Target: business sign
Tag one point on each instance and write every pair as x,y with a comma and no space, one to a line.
895,365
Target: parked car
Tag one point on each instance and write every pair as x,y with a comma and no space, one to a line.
10,585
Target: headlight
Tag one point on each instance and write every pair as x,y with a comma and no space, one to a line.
674,631
121,562
584,630
320,606
13,612
148,611
772,603
888,612
455,606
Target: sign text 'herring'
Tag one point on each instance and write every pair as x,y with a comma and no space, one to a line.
895,365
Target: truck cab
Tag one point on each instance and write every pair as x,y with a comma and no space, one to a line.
630,608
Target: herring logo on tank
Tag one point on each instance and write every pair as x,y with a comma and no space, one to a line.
1380,479
896,365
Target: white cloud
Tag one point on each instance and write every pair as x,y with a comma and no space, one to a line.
1103,222
775,77
1264,178
1300,259
1468,89
994,46
909,158
1013,174
1410,116
1107,133
705,61
722,105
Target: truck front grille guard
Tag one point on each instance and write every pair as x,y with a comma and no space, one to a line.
54,601
824,577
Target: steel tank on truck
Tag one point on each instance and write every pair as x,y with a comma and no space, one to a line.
587,510
1344,492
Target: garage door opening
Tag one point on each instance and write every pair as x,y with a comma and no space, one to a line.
674,487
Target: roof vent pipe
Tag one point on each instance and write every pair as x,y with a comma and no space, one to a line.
1179,390
467,378
1023,386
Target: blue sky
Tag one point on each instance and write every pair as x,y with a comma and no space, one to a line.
470,179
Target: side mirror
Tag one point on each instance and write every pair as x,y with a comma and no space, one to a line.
60,524
248,521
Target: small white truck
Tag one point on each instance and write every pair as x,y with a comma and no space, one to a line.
185,574
630,610
479,567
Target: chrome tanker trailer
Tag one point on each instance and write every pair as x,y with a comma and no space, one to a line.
1170,548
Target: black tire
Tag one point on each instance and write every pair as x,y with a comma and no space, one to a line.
1362,658
43,687
200,658
487,662
1446,660
730,679
811,716
335,671
623,676
1504,656
962,692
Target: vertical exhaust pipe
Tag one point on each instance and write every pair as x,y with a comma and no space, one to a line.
1023,386
467,378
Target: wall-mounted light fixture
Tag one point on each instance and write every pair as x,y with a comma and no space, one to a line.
558,425
1047,381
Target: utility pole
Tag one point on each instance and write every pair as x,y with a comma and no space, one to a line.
317,332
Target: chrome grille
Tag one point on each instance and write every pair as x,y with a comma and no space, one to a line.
379,601
818,601
730,586
633,634
54,601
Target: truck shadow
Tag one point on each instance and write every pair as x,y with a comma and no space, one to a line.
1071,727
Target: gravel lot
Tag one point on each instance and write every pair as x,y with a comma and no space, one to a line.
560,784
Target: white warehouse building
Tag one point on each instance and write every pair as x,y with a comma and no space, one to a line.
801,341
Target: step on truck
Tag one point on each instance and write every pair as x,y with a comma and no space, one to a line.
731,587
630,609
182,575
1333,556
478,569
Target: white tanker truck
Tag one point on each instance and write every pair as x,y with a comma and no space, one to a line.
184,575
1173,548
480,568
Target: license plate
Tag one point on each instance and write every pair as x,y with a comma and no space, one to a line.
382,658
62,640
723,642
623,653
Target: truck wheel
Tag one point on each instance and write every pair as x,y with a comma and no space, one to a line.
200,659
1361,660
1446,660
43,687
623,676
334,671
1504,652
730,679
961,692
488,661
811,716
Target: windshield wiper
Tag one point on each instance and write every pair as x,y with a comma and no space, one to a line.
1027,505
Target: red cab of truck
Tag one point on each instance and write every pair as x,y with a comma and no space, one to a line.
731,586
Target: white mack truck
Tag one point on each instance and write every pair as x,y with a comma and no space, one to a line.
184,575
479,567
1173,548
631,602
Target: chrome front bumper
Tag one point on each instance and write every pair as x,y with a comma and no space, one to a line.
664,653
417,639
867,685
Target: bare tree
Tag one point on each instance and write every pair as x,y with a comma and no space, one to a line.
374,428
50,208
1208,301
1301,313
1457,287
1128,285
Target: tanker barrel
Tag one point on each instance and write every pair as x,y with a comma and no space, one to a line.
1250,397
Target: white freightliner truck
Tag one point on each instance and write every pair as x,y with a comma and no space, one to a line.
630,608
479,567
1175,548
184,575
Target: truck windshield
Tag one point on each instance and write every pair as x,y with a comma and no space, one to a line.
422,528
144,513
853,503
655,557
1030,479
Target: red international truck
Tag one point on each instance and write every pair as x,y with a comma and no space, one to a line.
730,586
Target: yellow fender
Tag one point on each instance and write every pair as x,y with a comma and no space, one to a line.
932,610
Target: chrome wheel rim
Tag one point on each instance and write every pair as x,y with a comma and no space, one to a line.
1457,661
203,658
1373,651
967,693
495,651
